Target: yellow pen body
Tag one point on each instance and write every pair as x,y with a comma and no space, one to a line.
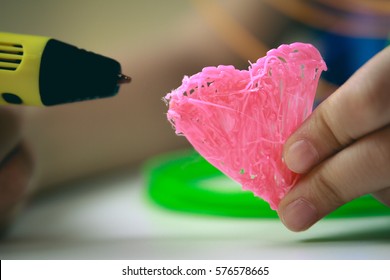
41,71
20,59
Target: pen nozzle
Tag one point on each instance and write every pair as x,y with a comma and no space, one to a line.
123,79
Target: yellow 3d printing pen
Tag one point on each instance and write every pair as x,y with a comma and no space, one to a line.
41,71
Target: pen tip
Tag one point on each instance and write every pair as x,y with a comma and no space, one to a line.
123,79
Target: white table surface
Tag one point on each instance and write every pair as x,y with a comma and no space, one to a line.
112,218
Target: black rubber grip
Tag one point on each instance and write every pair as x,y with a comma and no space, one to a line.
69,74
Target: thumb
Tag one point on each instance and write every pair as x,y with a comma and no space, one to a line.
343,148
361,168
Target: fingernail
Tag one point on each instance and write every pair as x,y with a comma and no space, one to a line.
299,215
301,156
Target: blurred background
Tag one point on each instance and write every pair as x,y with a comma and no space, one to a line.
157,43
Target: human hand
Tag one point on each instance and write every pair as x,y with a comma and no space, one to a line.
342,149
16,165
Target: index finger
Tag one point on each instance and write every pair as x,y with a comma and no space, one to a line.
357,108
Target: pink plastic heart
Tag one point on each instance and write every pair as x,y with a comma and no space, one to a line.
238,120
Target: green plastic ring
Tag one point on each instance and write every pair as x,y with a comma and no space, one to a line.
184,181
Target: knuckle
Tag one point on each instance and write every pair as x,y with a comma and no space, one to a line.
383,150
377,97
326,192
335,138
377,153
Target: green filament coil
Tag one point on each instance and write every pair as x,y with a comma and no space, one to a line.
184,181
